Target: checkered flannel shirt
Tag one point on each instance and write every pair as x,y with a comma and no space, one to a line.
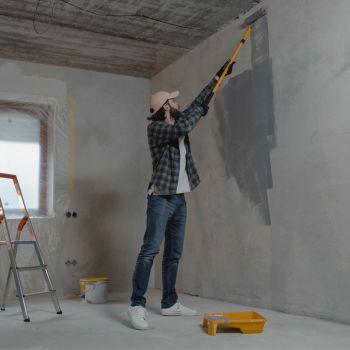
164,146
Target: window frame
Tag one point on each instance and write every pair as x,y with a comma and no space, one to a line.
48,112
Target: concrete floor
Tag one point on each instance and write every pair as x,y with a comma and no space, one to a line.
86,326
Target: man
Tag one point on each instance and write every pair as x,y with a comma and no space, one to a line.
174,174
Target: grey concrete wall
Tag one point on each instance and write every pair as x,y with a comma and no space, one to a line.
101,170
299,264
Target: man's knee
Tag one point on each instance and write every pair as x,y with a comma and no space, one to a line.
148,251
173,256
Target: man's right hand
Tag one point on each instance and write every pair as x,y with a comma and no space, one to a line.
221,70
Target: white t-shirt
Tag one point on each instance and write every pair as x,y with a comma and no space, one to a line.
183,184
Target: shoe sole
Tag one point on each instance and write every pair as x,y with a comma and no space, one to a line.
177,314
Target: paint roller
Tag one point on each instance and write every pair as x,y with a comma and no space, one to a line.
248,22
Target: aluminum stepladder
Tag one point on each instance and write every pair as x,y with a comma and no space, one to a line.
12,246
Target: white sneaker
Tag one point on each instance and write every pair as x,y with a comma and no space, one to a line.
179,310
138,317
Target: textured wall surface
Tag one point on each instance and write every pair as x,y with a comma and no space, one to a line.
311,196
101,169
299,264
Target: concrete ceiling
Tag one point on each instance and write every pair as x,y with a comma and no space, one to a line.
67,33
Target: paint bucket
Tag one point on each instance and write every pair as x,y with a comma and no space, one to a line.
94,289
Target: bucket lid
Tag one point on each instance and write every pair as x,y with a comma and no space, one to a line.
94,279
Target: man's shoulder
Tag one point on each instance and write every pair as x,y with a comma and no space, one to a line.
156,124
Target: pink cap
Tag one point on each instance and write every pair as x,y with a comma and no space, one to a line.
159,98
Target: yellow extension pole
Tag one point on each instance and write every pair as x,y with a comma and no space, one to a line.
233,57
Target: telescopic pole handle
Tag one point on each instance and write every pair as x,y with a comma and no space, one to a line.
232,59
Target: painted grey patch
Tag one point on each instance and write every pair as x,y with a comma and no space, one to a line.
263,103
260,53
246,123
242,141
259,58
269,182
260,41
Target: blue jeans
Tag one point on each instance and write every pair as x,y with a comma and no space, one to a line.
166,217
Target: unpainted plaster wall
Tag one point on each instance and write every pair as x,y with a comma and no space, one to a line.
101,169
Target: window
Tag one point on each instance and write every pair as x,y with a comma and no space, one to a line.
24,146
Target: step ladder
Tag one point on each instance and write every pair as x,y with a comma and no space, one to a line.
12,247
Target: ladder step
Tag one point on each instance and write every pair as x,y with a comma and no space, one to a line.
31,268
38,293
23,242
13,244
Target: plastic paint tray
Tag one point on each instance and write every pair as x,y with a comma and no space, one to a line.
245,321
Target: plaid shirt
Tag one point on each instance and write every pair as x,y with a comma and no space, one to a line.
164,146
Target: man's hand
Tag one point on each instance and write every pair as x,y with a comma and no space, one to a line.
221,70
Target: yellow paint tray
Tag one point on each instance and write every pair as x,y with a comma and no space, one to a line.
245,321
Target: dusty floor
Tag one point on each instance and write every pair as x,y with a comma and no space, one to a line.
87,326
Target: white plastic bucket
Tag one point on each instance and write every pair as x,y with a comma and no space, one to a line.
83,281
96,292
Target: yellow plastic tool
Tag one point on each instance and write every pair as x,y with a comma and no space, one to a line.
233,57
246,321
248,23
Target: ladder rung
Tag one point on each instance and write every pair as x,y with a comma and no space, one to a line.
39,293
23,242
3,242
30,268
